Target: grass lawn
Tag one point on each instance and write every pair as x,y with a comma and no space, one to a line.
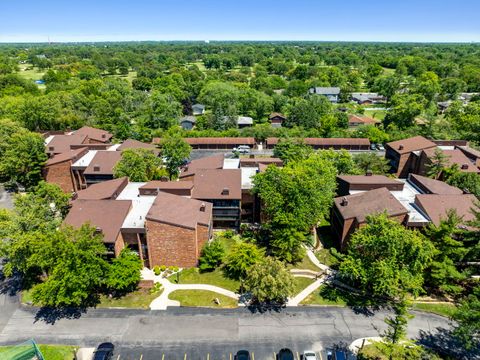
50,352
304,264
325,257
26,296
318,298
131,75
216,278
202,298
139,299
31,74
301,283
376,114
444,309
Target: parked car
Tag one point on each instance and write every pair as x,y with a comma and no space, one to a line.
329,353
242,149
309,355
104,351
373,147
285,354
380,147
242,355
340,355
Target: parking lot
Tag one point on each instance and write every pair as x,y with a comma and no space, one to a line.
258,352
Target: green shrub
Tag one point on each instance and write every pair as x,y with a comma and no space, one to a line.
211,256
157,270
163,268
156,288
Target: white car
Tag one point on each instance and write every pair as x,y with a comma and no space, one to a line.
242,149
309,355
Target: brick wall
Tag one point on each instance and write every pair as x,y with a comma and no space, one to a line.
61,175
119,244
171,245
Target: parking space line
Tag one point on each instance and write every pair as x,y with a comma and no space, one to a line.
185,356
208,356
298,356
118,357
230,356
141,357
163,356
274,356
253,355
321,356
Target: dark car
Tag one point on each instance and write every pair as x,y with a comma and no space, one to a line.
104,351
340,355
285,354
242,355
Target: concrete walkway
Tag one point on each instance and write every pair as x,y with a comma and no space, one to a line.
317,263
162,302
296,300
358,343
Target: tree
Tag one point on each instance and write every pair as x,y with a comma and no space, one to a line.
437,164
124,272
211,256
289,149
466,181
74,268
386,260
404,109
342,160
269,281
467,317
371,162
443,274
295,198
240,258
163,111
23,158
371,132
309,112
386,85
138,165
175,150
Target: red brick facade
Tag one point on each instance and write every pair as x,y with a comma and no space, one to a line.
61,174
174,245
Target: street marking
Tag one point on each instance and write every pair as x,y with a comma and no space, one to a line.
208,356
118,357
185,357
298,356
230,356
274,356
321,356
253,355
163,356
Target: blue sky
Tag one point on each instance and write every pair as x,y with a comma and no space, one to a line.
344,20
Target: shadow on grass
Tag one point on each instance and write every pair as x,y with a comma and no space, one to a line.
359,304
445,343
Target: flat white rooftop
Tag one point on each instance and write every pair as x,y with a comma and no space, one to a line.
247,176
231,163
86,159
141,204
114,147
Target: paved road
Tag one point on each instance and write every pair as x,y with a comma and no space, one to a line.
200,333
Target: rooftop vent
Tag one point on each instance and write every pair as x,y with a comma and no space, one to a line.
400,147
344,202
96,167
225,191
98,229
51,148
464,166
202,207
369,173
104,136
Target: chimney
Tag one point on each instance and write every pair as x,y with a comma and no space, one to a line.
464,166
252,156
96,167
51,148
202,207
344,202
400,147
104,136
225,191
369,173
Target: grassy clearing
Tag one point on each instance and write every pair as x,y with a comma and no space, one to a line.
444,309
306,263
319,297
202,298
326,257
131,75
376,114
216,278
50,352
301,283
28,72
139,299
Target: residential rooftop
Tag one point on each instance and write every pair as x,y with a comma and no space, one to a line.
62,143
103,163
411,144
140,205
431,186
218,184
94,134
436,207
104,190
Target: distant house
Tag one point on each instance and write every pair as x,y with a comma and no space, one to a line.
368,98
277,119
198,109
357,120
331,93
187,122
244,121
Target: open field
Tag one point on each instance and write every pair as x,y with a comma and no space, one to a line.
216,278
202,298
28,72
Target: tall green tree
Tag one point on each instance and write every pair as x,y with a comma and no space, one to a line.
371,162
124,274
290,149
211,256
175,151
437,164
241,257
138,165
163,111
467,318
269,281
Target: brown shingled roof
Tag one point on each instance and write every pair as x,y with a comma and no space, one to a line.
221,140
107,215
371,202
70,155
455,157
94,134
327,141
218,184
369,179
210,162
431,186
156,184
62,143
180,211
276,114
260,160
361,119
104,190
135,144
103,163
411,144
437,206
